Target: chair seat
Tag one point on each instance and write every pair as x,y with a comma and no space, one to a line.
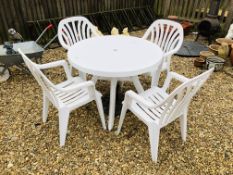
70,98
154,95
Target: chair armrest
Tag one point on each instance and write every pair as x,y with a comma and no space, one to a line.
173,75
179,77
168,54
85,84
54,64
131,95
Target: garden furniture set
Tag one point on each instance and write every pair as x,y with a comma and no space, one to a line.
119,58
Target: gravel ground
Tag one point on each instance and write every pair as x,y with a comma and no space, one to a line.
29,146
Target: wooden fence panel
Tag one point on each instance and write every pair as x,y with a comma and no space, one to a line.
193,10
16,13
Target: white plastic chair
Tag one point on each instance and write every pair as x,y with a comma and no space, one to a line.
169,36
74,29
157,108
66,96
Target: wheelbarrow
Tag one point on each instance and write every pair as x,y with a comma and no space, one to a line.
11,58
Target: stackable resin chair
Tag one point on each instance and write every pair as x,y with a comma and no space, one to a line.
157,108
169,36
74,29
66,96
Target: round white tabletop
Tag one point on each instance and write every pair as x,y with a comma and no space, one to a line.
114,56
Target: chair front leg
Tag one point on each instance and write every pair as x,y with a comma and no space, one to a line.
154,132
63,125
45,108
183,125
101,110
112,104
122,117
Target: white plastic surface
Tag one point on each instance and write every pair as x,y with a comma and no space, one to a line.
114,56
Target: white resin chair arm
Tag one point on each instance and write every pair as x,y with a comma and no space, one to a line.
131,95
85,84
169,54
54,64
179,77
173,75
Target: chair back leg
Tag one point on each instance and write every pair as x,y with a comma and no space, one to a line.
99,105
122,117
45,108
183,124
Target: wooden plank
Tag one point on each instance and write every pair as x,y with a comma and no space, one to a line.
185,8
229,19
41,9
22,28
206,9
156,6
200,8
166,7
4,23
171,7
175,7
29,11
45,7
180,7
63,7
88,7
73,7
161,10
11,11
224,8
190,8
196,3
20,11
59,8
37,9
24,12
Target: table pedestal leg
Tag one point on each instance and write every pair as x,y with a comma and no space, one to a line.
83,75
155,76
137,84
112,104
94,79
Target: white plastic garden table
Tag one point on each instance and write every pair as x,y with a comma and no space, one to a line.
115,58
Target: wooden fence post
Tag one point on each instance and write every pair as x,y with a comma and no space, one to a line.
166,8
229,17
